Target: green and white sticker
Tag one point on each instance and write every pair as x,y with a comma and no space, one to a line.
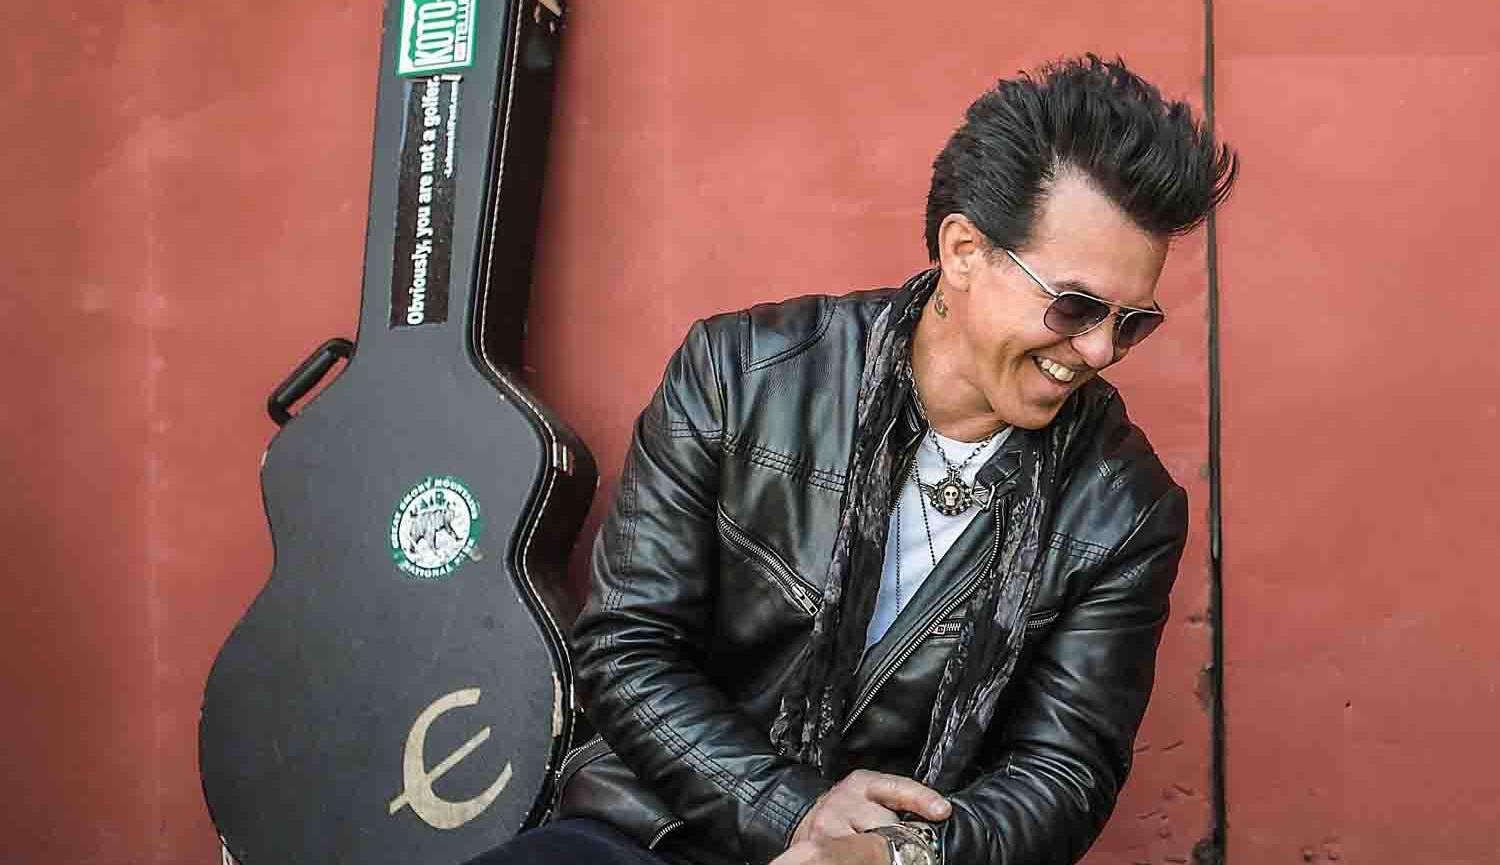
435,528
436,36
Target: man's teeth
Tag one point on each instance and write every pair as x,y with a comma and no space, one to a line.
1056,370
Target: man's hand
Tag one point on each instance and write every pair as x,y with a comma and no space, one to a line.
847,850
864,800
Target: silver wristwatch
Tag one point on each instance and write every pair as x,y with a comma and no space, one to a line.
911,843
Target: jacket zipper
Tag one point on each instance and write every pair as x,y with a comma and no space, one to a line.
567,760
1036,622
798,591
662,832
917,635
1043,620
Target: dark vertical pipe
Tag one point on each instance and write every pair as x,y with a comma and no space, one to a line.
1216,853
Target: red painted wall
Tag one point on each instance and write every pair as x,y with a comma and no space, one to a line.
187,192
1358,264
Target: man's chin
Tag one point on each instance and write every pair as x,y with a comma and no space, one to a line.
1030,408
1033,424
1035,414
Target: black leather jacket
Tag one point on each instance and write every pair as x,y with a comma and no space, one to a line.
708,570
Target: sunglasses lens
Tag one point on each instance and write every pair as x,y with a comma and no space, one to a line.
1071,314
1135,327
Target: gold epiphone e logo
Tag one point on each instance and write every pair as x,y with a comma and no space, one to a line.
435,811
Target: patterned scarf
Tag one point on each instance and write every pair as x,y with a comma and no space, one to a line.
809,726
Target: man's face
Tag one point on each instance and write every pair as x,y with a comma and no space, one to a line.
1082,242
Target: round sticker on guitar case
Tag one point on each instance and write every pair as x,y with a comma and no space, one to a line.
435,528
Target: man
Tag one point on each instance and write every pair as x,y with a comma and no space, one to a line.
886,572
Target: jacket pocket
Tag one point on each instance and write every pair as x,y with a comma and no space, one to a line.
579,757
599,786
1038,621
1041,620
797,591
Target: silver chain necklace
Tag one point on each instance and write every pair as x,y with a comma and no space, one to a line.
949,497
936,495
952,496
911,474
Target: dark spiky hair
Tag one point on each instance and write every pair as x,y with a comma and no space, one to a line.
1150,156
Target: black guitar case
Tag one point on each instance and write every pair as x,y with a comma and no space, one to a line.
400,690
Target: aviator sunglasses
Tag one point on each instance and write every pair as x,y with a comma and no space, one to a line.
1073,313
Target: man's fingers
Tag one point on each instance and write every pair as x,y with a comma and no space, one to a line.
865,800
849,817
904,794
868,815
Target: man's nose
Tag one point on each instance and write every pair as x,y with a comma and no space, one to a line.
1098,345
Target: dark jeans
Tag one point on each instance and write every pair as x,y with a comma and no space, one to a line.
576,841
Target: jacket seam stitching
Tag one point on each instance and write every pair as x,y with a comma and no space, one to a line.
630,519
794,466
1140,523
718,385
680,428
718,775
825,318
1087,550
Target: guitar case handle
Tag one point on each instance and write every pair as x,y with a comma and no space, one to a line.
305,377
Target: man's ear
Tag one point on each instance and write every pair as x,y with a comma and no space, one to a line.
960,250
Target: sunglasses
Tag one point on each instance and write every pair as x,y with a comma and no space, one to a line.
1073,313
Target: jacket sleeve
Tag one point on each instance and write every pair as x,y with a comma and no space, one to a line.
648,622
1064,750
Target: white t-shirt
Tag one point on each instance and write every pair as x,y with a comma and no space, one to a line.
907,539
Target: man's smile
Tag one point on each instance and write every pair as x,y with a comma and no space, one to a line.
1055,372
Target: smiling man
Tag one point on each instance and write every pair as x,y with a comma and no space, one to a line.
886,572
